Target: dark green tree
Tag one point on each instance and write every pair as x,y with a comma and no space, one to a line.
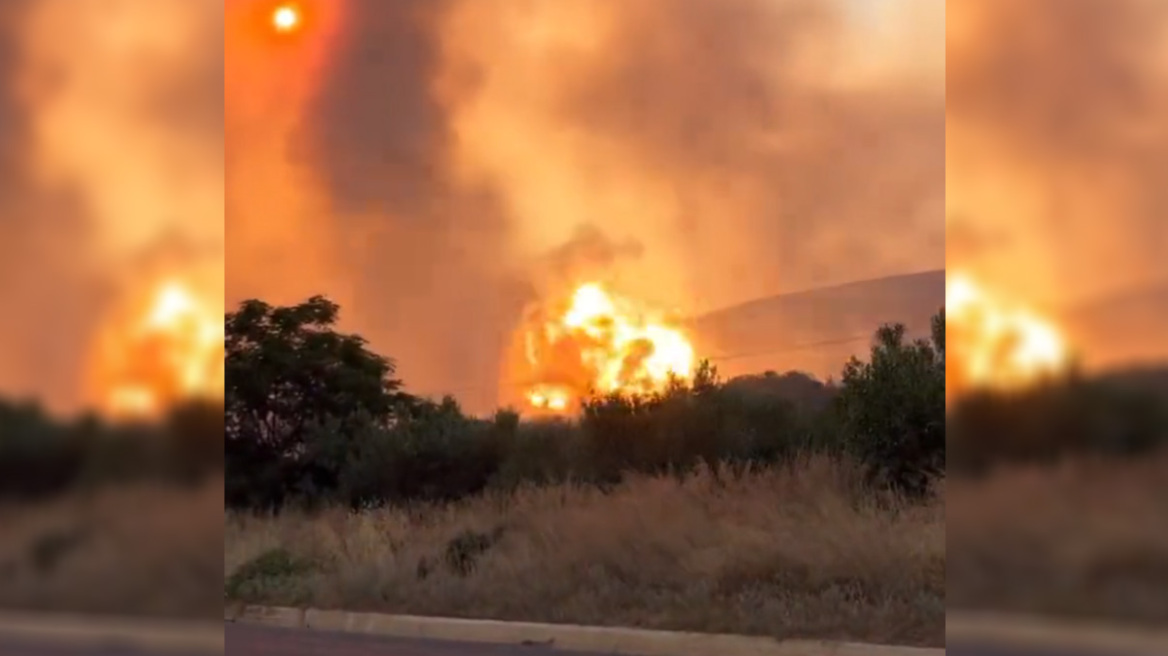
892,407
288,371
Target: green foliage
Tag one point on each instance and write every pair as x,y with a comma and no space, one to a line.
539,452
41,456
276,568
289,373
892,408
741,422
438,454
291,440
464,550
1120,414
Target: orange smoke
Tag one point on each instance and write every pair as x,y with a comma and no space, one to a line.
596,342
276,207
169,349
996,345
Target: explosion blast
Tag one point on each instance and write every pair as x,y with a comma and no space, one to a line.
599,343
994,344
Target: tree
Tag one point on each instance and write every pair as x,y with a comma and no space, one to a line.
893,407
288,370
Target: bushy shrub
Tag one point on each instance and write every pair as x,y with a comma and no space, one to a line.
892,409
42,456
1119,414
394,448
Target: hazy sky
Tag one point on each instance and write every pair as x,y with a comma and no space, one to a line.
1058,145
436,164
111,138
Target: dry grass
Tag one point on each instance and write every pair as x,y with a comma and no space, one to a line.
140,550
797,553
1086,538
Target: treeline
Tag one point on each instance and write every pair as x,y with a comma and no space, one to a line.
43,456
316,418
312,416
1117,414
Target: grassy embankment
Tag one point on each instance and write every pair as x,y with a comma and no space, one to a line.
797,551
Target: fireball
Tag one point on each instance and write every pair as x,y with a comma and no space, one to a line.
996,345
596,342
172,349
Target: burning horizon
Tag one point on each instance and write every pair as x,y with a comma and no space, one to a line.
994,343
167,349
437,165
596,342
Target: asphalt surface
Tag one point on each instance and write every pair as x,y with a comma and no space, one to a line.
251,640
970,649
30,647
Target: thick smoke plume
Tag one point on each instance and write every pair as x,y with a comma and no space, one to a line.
1058,144
431,163
111,114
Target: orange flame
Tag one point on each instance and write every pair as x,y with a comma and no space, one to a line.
171,351
995,345
598,342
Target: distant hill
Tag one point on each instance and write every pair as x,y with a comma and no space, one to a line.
817,330
1121,329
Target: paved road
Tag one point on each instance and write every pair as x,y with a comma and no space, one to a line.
250,640
32,647
986,650
246,640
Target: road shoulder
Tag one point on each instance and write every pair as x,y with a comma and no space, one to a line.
139,633
1044,633
633,642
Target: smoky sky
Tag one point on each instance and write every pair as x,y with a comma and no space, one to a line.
468,150
419,252
77,221
1058,108
49,301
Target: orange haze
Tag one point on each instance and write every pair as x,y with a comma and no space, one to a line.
113,156
438,165
1056,144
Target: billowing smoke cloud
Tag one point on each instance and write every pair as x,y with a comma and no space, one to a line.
434,156
113,165
1058,144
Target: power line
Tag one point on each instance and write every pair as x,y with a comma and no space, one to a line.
714,358
788,349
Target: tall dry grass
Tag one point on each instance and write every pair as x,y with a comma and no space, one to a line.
795,552
1088,537
144,549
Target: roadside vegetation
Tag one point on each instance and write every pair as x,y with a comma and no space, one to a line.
111,518
1056,500
769,504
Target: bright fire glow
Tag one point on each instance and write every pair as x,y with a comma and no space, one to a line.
286,18
597,342
171,350
995,345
